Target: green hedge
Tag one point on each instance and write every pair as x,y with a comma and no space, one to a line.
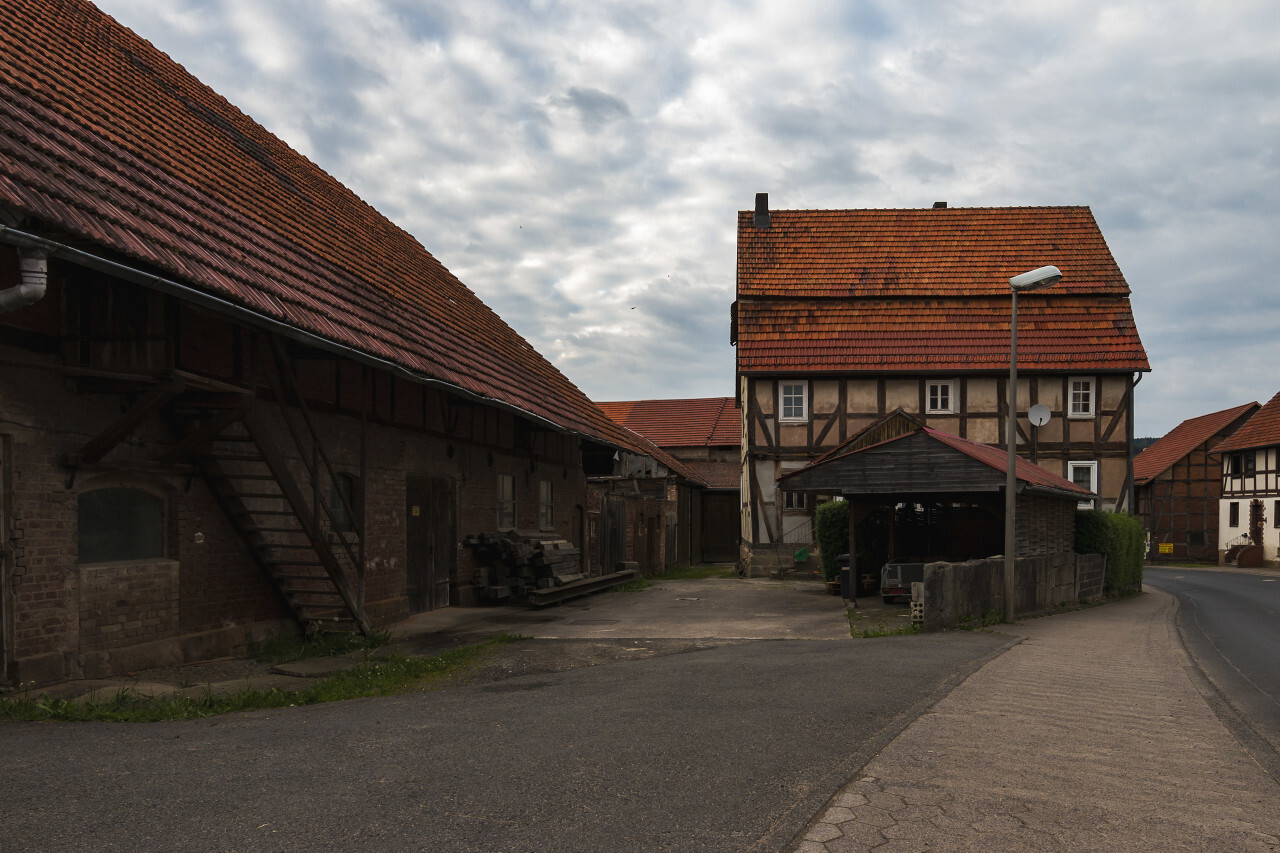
831,529
1118,535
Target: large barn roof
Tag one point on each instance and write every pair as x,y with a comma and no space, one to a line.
106,143
1182,439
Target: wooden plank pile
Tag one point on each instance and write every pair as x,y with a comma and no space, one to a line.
516,563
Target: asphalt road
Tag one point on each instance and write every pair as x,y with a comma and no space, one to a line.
1230,622
732,748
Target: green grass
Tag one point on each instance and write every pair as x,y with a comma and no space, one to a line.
632,586
287,648
377,675
884,631
697,573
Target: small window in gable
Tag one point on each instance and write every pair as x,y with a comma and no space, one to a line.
1080,395
793,398
940,397
120,524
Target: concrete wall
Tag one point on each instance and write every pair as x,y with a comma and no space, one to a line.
955,593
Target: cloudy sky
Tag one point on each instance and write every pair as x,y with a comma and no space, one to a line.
579,164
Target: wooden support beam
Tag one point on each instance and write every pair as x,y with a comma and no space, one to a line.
147,405
204,434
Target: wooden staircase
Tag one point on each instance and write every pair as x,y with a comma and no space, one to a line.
272,479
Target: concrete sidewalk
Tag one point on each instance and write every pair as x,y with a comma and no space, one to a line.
1089,735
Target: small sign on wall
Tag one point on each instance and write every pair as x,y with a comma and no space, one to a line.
1166,547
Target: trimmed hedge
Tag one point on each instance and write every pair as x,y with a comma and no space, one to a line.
1118,535
831,529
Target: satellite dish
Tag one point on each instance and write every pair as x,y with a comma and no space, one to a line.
1039,415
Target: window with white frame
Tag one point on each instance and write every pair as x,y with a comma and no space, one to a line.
546,506
793,401
1080,397
940,396
1084,474
506,502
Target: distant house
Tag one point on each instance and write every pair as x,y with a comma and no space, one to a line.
843,316
706,435
236,399
1178,486
1249,512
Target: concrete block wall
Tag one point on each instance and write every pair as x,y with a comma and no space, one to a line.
955,593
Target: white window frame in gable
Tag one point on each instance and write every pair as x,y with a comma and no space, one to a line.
1092,398
1092,467
929,407
803,417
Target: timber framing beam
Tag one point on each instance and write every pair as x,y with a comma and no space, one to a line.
146,406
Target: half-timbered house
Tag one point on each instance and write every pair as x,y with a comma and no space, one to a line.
234,399
1249,511
843,316
1178,484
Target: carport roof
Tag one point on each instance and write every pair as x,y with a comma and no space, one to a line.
926,461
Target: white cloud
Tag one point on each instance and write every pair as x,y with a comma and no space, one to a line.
579,165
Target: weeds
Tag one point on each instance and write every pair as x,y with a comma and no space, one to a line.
697,573
287,648
377,675
633,586
885,631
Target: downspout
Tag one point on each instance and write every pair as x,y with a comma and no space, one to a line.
33,272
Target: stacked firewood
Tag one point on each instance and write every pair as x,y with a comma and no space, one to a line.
516,562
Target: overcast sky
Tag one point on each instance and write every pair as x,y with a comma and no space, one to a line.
579,165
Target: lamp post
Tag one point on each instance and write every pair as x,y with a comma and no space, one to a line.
1028,281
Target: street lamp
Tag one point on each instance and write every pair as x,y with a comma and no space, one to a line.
1028,281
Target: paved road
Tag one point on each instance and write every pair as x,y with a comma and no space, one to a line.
1230,622
731,748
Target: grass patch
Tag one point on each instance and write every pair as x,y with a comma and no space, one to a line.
376,675
287,648
884,631
632,586
989,617
697,573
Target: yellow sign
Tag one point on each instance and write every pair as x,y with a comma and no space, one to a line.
417,512
1166,547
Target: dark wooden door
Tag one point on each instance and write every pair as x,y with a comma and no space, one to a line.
432,541
721,527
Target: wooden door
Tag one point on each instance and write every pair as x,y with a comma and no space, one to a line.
721,527
431,551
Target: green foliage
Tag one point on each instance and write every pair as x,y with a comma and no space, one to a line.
1121,538
632,586
382,675
286,648
831,529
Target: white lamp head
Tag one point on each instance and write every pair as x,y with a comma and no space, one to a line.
1036,279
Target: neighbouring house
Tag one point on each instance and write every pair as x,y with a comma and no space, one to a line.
1249,511
1178,485
936,498
706,435
236,400
843,316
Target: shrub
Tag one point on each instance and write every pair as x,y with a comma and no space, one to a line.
1118,535
831,529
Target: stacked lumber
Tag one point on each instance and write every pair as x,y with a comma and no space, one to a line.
516,563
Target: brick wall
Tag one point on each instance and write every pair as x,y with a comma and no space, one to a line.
124,605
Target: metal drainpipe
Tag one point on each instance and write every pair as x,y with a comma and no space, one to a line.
33,267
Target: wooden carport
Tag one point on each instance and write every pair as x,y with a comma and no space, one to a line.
955,487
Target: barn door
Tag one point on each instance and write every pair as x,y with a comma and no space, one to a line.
431,548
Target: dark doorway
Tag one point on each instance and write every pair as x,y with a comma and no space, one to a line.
431,548
721,526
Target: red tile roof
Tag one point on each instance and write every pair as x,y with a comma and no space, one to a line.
1261,430
700,422
911,290
1185,437
105,139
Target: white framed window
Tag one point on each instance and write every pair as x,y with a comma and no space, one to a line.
546,506
794,502
506,502
1084,474
793,401
1080,397
940,396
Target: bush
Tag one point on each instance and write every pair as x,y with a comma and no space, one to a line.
1118,535
831,529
